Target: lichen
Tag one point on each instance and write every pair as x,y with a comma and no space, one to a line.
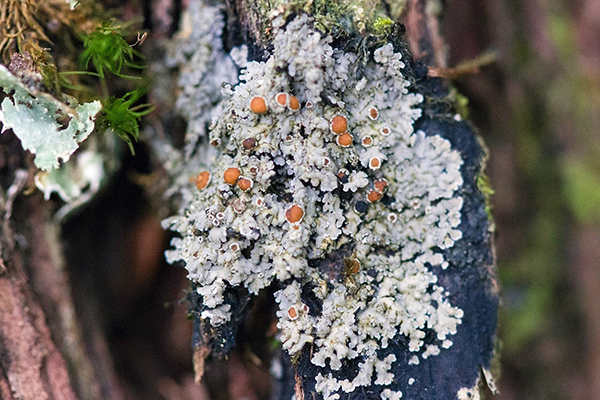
282,189
37,119
77,181
204,68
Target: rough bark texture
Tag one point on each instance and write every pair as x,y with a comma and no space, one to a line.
423,34
32,366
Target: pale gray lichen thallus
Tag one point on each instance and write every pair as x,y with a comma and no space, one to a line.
312,158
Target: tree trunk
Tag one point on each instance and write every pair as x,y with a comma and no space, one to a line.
32,365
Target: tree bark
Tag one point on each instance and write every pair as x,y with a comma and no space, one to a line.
32,366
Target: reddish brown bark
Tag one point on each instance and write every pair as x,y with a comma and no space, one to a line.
423,34
42,355
31,365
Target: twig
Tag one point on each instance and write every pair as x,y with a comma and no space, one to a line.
468,67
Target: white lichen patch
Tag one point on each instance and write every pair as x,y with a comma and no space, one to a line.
204,67
78,181
289,185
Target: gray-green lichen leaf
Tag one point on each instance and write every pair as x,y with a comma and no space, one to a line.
35,118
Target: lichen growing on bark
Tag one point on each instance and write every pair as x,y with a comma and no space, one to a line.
313,156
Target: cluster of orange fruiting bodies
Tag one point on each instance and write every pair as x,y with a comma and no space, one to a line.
338,125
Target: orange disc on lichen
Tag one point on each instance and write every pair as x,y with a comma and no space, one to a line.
202,179
294,214
294,103
231,175
345,139
374,163
373,113
245,183
258,105
338,124
367,141
374,195
281,98
292,312
380,184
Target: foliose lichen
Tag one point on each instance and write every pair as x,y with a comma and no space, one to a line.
311,157
37,120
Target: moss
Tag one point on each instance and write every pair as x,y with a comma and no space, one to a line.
53,110
341,19
382,26
461,103
483,184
